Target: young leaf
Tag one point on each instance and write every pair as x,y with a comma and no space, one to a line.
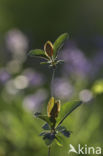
59,61
48,48
48,138
56,109
43,62
43,117
42,133
50,106
58,141
59,43
60,128
46,127
66,133
53,108
63,130
38,53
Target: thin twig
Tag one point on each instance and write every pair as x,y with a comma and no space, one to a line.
52,83
49,149
69,113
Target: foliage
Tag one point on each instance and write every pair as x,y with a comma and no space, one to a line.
51,127
50,50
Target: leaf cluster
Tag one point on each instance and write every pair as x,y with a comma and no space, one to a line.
53,129
50,52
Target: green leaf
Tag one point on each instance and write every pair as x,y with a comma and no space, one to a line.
59,43
58,141
50,106
67,109
59,61
43,117
38,53
63,130
43,62
42,133
66,133
60,128
46,127
49,138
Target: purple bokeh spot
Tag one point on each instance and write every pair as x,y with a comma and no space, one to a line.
35,101
4,76
34,78
97,62
62,88
75,61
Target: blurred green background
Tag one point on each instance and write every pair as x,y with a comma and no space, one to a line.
24,83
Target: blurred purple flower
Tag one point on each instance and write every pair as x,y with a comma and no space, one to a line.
97,62
75,61
16,41
34,78
63,89
4,76
34,102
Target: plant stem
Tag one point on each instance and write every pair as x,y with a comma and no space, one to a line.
49,149
52,83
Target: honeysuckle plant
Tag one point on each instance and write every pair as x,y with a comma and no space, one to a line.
53,130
